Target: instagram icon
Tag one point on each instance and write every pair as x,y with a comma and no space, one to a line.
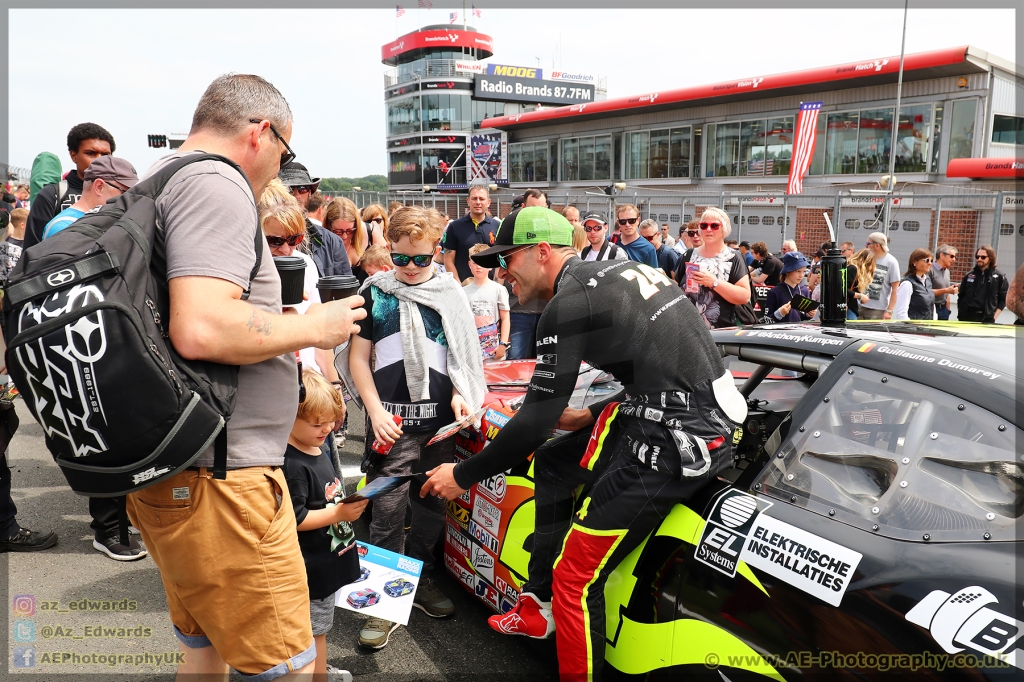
24,604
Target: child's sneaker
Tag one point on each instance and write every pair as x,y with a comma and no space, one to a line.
337,674
376,632
431,600
530,617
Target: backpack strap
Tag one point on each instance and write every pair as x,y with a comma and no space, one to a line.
62,187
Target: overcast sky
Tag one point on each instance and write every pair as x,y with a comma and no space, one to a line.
150,66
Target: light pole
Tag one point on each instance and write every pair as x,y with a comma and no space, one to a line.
895,126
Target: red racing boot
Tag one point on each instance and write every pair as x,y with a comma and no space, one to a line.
530,617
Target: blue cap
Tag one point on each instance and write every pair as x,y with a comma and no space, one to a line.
794,260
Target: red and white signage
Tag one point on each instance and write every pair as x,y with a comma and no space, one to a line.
985,168
823,75
437,38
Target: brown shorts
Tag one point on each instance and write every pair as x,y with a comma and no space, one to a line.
229,558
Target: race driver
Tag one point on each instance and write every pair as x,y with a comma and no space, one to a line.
670,435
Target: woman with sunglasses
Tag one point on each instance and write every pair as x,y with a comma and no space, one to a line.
915,298
284,225
343,219
718,273
983,290
375,217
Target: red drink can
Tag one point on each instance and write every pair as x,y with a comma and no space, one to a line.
382,447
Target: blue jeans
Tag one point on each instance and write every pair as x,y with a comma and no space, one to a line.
942,312
523,335
850,315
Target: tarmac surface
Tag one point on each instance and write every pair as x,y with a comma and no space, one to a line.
72,601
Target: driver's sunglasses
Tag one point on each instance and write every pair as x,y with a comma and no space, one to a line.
289,155
420,261
503,257
710,226
593,228
277,242
628,221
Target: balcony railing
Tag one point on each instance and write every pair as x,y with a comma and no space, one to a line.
425,68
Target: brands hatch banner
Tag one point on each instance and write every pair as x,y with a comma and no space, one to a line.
487,157
509,89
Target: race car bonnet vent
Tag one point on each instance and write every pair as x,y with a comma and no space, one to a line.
996,486
863,478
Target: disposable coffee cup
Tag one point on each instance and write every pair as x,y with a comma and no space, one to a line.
337,287
292,270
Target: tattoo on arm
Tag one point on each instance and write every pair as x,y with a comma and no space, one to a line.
260,323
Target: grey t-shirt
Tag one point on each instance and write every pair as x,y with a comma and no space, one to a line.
887,273
208,218
940,280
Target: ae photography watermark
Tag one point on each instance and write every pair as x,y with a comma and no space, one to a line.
82,635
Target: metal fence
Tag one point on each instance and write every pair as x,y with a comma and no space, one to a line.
965,220
15,174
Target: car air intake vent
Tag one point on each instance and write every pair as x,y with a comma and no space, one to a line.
911,512
863,478
995,486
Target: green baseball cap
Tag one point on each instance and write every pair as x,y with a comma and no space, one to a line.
525,226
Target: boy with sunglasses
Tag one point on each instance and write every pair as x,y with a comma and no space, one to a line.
428,371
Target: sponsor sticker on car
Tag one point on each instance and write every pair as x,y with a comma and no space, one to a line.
726,530
483,562
485,538
487,515
493,487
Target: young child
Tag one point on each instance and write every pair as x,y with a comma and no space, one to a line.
429,375
10,247
325,536
489,301
375,259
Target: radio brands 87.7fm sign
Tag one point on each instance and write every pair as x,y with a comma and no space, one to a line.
530,89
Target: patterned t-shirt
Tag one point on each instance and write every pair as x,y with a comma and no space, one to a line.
727,266
382,327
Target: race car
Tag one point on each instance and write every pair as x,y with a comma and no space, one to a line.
399,587
364,573
363,598
867,529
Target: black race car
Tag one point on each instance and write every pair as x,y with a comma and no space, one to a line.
869,528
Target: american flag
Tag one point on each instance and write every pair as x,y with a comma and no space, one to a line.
425,3
803,146
760,167
399,10
453,17
476,12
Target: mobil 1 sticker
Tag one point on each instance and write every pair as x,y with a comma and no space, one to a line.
725,532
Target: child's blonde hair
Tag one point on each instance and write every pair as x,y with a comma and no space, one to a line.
19,216
416,222
323,403
376,256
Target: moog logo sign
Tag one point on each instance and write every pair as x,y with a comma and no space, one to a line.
964,621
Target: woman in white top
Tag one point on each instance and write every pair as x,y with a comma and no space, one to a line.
284,225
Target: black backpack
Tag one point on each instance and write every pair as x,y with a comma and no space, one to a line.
86,316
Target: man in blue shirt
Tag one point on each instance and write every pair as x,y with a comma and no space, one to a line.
105,178
668,259
476,227
637,248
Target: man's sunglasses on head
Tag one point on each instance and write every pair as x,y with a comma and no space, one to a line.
278,242
420,261
289,155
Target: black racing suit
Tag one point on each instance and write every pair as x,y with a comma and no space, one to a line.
669,436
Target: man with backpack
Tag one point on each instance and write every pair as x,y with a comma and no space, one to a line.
86,143
194,342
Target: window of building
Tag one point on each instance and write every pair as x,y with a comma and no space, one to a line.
912,143
841,143
818,160
753,220
852,223
936,138
769,220
587,158
752,148
1008,129
446,112
723,149
404,116
482,110
661,153
1004,229
444,166
528,161
779,145
875,136
961,128
404,168
911,225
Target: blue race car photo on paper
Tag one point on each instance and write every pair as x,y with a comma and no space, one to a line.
361,599
399,587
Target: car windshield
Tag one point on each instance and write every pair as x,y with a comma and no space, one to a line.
904,460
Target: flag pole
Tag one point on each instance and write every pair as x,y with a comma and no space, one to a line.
895,125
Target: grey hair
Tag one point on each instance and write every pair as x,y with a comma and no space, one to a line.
650,222
233,99
946,248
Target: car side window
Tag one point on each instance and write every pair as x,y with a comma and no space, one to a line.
904,460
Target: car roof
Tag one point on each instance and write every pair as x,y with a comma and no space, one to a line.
992,344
